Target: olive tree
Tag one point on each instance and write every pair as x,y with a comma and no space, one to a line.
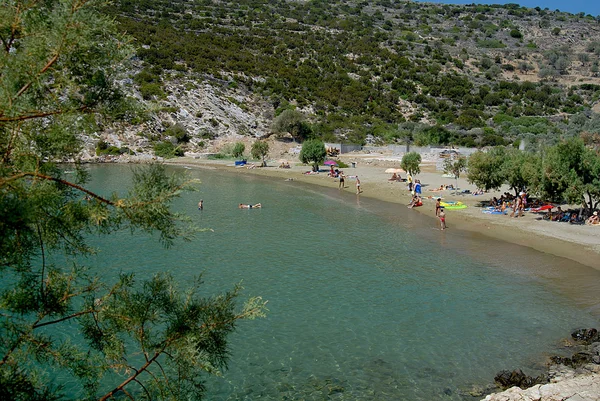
484,169
60,61
455,167
410,162
292,122
521,170
571,172
313,151
259,150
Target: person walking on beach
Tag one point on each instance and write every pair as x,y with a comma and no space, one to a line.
357,186
442,217
341,181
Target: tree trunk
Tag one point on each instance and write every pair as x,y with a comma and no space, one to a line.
591,203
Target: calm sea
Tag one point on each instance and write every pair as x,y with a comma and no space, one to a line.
367,300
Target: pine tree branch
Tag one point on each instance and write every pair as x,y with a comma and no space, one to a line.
133,377
74,315
59,180
142,386
74,9
49,64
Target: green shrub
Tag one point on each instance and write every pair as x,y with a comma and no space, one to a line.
491,44
238,150
103,148
515,33
217,156
178,132
167,150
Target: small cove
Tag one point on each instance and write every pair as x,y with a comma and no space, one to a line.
367,299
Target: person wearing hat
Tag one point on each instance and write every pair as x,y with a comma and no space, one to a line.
593,219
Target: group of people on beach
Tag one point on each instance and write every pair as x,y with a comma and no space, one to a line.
520,203
417,200
339,174
507,201
416,191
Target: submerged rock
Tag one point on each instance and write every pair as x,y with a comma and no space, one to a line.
506,379
586,335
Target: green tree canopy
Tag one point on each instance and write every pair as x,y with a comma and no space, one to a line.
238,149
410,162
485,168
522,170
59,64
571,172
313,151
259,150
292,122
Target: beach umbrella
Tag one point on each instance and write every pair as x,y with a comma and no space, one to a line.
394,170
330,163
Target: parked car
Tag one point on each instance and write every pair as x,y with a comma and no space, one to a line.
448,153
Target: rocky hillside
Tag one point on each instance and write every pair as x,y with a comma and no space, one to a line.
383,71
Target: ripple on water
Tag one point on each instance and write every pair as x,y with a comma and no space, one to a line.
365,301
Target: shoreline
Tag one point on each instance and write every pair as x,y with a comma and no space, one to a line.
579,243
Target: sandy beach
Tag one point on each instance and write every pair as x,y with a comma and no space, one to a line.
580,243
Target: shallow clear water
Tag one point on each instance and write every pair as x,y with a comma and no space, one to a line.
367,300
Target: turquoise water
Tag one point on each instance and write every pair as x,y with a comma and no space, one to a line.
367,301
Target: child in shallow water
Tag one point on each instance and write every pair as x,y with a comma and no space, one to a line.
442,217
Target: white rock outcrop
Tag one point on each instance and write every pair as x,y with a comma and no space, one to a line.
567,385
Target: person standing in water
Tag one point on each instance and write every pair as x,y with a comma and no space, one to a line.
442,216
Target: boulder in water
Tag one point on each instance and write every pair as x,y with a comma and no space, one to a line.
507,379
586,335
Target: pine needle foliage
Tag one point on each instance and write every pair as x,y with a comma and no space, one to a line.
60,66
